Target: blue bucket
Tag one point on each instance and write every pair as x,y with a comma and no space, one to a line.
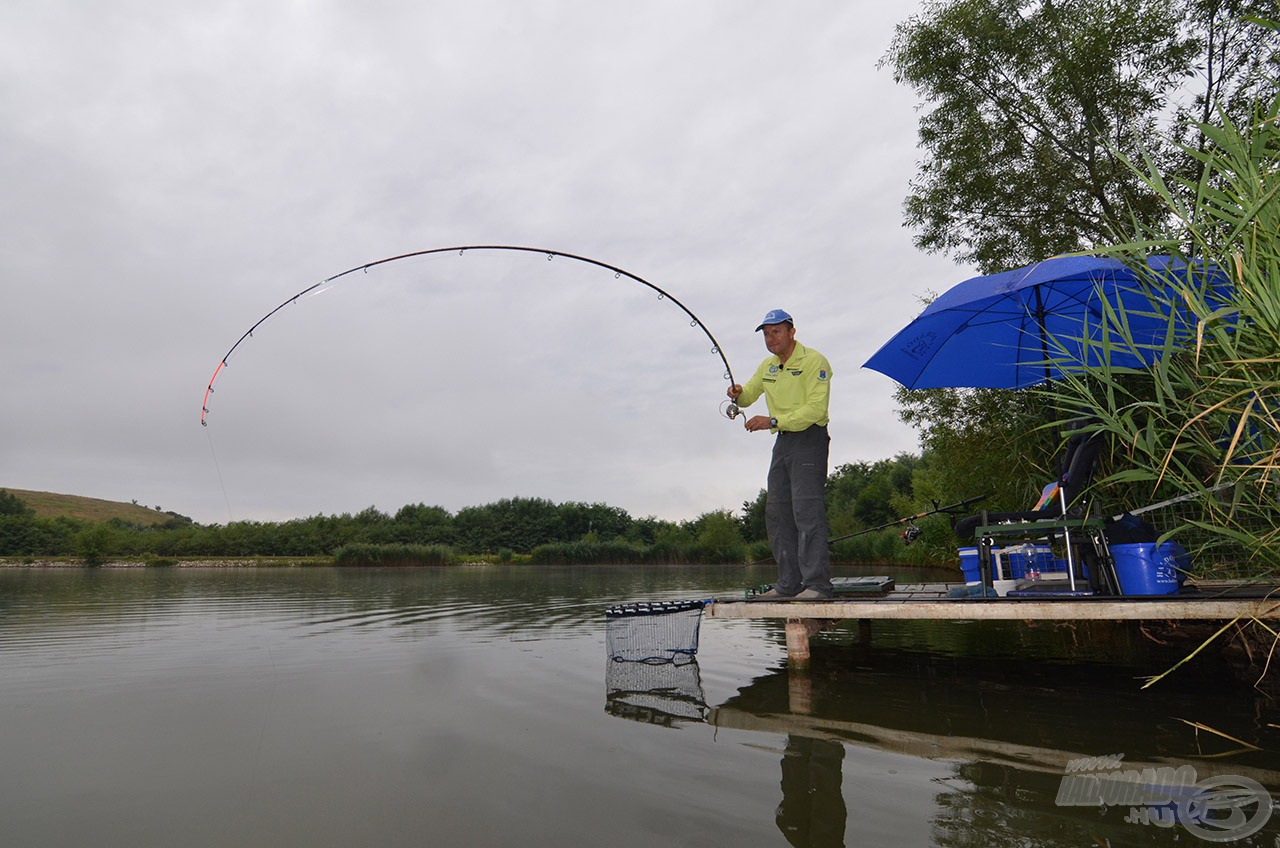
1147,569
970,565
1181,559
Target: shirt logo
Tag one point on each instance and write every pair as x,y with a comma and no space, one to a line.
796,373
822,373
773,369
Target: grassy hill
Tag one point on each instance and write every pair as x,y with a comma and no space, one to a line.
52,505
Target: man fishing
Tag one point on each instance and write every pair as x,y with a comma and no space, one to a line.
796,383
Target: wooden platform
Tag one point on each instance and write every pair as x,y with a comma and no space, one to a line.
1205,601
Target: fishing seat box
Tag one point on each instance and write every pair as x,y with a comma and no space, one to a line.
1013,564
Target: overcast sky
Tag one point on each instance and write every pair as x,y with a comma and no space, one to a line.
172,171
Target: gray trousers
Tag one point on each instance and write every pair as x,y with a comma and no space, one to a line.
795,513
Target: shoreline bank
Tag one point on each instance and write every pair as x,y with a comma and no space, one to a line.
323,562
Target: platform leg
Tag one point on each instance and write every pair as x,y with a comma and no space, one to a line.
798,632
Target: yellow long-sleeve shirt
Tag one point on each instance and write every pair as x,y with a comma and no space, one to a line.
797,393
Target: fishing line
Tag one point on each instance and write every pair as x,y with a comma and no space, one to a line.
731,411
255,796
218,467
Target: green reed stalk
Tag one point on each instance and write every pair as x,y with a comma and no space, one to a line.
1208,411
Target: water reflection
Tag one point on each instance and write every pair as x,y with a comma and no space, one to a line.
462,707
812,812
489,604
1002,734
664,694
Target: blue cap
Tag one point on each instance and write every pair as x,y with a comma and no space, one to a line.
776,316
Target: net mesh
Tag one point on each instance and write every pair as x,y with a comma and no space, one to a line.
654,633
1214,553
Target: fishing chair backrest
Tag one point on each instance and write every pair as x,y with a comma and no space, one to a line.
1079,460
1076,465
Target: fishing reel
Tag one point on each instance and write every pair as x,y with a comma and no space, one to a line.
730,410
911,534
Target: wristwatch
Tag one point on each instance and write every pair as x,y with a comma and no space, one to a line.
773,422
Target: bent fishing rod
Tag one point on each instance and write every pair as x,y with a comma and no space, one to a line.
948,509
730,412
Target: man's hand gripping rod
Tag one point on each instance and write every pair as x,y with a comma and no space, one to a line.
732,410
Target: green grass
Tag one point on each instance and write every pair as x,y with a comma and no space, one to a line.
54,505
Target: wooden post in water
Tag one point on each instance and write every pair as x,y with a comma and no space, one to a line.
798,632
797,643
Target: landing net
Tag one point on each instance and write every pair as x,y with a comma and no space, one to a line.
654,633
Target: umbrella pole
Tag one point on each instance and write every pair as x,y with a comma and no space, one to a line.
1044,342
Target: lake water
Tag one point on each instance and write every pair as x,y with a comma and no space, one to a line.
476,706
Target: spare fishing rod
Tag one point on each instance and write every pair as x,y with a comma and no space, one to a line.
908,536
950,508
694,321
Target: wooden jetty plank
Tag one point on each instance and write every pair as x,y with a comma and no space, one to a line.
935,608
1211,601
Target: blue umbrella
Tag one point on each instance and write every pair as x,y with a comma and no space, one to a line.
1025,326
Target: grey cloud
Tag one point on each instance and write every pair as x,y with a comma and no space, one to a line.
174,171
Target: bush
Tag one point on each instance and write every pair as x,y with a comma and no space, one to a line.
392,555
615,552
11,504
725,554
667,551
93,544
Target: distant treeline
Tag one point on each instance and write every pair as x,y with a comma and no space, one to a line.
532,529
